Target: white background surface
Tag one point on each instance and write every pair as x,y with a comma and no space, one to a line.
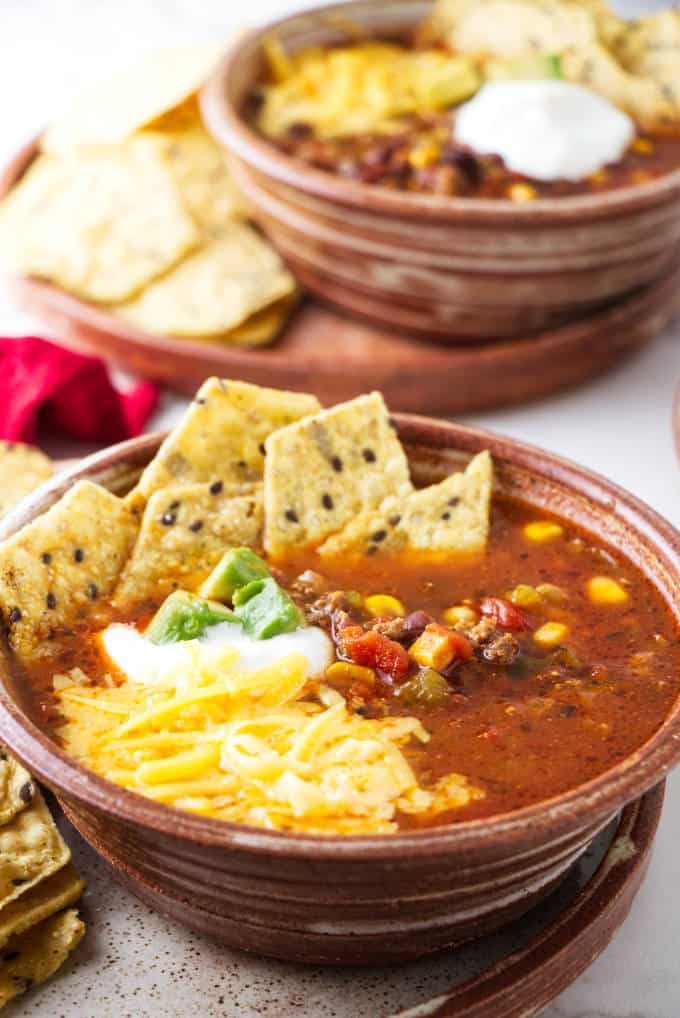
619,425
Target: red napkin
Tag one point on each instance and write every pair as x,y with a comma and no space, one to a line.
44,387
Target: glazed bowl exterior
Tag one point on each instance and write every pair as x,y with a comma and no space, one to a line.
443,267
362,899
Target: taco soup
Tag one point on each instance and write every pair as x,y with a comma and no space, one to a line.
276,628
517,100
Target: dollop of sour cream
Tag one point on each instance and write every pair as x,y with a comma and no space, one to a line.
145,662
548,130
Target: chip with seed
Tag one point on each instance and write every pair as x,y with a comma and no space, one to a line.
449,517
49,896
56,570
16,786
324,470
221,437
31,849
22,469
185,531
32,957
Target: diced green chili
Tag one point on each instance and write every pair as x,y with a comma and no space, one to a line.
426,689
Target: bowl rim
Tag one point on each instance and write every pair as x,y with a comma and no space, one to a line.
227,125
543,822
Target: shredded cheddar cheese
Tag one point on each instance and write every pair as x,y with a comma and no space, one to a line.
265,747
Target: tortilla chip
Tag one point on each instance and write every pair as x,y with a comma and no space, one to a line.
32,957
199,168
31,849
16,787
101,225
50,896
231,276
642,97
185,531
221,436
512,28
57,569
323,471
451,517
109,113
22,469
261,328
651,49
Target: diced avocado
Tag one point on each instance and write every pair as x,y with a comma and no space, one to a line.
183,616
265,610
236,568
529,67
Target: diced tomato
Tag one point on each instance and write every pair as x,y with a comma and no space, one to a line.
373,650
505,614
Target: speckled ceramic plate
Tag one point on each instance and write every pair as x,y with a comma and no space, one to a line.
135,964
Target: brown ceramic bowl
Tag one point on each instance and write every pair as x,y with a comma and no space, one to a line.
437,266
369,898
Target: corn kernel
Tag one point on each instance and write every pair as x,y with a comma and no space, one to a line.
542,531
343,671
643,145
433,649
551,634
599,177
460,614
551,592
604,590
383,604
424,155
522,192
525,596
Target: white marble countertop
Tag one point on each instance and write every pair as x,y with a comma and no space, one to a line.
619,425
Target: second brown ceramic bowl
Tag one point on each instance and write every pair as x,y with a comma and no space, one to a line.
453,268
361,899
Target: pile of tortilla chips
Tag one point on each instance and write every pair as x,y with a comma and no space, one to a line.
247,466
38,883
634,64
130,205
38,929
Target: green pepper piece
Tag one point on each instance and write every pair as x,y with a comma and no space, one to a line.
426,689
236,568
265,610
183,616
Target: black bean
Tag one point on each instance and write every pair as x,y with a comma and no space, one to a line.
291,515
262,449
395,520
14,615
216,487
92,591
168,519
454,500
414,625
51,600
26,792
196,526
368,455
378,535
46,557
336,463
446,516
327,501
78,554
